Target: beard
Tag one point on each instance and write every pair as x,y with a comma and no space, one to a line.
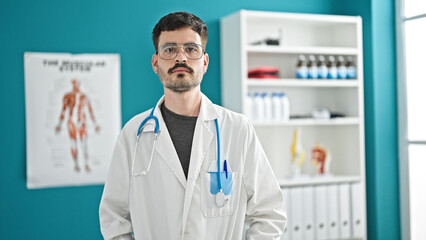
181,82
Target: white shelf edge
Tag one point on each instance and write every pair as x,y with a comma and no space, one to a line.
303,17
311,122
302,50
292,82
311,181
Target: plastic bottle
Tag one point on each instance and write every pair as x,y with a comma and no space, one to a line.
258,108
332,69
322,67
350,68
267,101
249,107
285,106
341,68
302,70
312,67
276,107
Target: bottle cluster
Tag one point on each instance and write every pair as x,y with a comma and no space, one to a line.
313,68
267,107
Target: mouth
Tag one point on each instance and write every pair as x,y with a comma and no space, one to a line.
181,70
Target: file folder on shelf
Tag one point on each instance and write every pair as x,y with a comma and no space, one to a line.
357,223
308,213
345,211
321,212
296,213
333,212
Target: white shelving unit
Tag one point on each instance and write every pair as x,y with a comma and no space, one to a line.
306,34
319,181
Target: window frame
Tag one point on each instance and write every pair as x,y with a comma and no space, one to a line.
403,141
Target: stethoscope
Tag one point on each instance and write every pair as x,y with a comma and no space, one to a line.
221,199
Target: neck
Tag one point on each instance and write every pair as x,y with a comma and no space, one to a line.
185,104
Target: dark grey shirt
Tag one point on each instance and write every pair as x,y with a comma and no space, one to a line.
181,130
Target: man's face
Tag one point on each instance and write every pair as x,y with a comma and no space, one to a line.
181,73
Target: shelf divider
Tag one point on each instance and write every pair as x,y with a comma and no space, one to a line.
320,180
293,82
302,50
310,122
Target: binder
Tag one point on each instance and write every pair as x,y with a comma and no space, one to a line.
308,222
333,212
287,234
357,221
345,211
296,213
321,208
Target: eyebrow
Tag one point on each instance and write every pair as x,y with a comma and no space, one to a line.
187,43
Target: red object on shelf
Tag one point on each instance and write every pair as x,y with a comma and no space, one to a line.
264,72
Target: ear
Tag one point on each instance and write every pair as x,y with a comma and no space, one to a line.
154,63
206,62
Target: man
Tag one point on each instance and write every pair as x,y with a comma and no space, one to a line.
171,189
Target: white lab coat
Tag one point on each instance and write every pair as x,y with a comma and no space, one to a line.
165,205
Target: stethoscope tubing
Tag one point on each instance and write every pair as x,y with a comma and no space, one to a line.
219,180
145,172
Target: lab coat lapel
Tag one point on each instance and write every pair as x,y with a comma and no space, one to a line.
203,136
166,149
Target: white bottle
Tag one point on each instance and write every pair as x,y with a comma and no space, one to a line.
312,68
267,101
248,108
350,68
341,68
285,104
276,107
301,70
322,67
258,113
332,69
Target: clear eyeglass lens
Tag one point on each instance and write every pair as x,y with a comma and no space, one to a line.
191,51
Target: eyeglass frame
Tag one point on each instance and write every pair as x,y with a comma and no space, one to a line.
183,50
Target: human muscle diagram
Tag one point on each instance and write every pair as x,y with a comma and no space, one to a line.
77,102
73,117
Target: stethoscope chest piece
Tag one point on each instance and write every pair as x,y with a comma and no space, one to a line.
221,199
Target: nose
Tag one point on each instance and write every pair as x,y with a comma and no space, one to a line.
181,57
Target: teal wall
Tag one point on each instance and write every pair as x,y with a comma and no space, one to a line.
382,169
124,27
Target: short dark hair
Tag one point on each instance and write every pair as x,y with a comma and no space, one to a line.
178,20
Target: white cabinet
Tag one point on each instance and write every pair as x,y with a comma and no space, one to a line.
300,34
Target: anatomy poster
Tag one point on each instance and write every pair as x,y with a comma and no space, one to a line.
73,117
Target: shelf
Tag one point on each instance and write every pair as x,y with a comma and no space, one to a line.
320,180
287,82
315,19
302,50
310,122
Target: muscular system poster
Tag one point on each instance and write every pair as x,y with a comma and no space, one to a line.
73,117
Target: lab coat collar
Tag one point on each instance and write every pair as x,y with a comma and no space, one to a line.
207,110
207,113
165,147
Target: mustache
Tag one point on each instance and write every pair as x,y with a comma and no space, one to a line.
182,65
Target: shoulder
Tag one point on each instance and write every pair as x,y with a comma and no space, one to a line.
131,127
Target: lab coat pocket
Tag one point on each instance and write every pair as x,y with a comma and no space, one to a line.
209,189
